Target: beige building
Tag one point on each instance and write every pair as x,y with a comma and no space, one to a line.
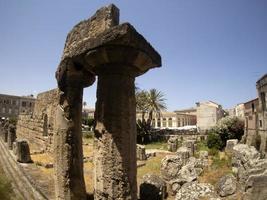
256,118
208,114
240,110
12,106
251,121
88,112
171,120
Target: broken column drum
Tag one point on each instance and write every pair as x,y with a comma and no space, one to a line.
11,136
23,151
116,55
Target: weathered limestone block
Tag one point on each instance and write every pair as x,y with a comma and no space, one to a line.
152,188
172,144
187,174
203,155
141,152
226,185
256,187
23,151
11,136
230,145
195,191
190,144
184,154
170,167
244,158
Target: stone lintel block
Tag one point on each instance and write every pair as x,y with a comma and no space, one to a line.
103,19
121,47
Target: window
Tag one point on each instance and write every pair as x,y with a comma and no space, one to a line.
14,102
158,122
23,103
164,123
170,122
253,107
153,123
260,123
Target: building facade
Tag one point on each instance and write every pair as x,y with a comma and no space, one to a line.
256,118
251,121
170,120
208,114
240,110
11,106
262,112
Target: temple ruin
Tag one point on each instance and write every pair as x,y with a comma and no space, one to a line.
116,54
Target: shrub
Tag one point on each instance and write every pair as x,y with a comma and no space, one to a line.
227,128
214,141
230,128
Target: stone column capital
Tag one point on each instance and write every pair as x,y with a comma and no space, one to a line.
121,48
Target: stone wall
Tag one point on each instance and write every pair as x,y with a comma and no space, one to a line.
38,128
262,113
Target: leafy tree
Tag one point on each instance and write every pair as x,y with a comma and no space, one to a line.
214,141
227,128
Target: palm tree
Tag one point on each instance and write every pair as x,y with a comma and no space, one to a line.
156,103
84,104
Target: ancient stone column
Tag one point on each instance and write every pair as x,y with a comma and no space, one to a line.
120,54
5,131
68,138
141,152
72,76
11,136
23,151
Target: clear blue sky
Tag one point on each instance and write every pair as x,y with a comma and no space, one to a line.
211,49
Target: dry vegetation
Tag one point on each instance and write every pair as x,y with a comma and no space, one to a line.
219,165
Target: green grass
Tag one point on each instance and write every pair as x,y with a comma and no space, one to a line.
157,145
202,146
152,167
